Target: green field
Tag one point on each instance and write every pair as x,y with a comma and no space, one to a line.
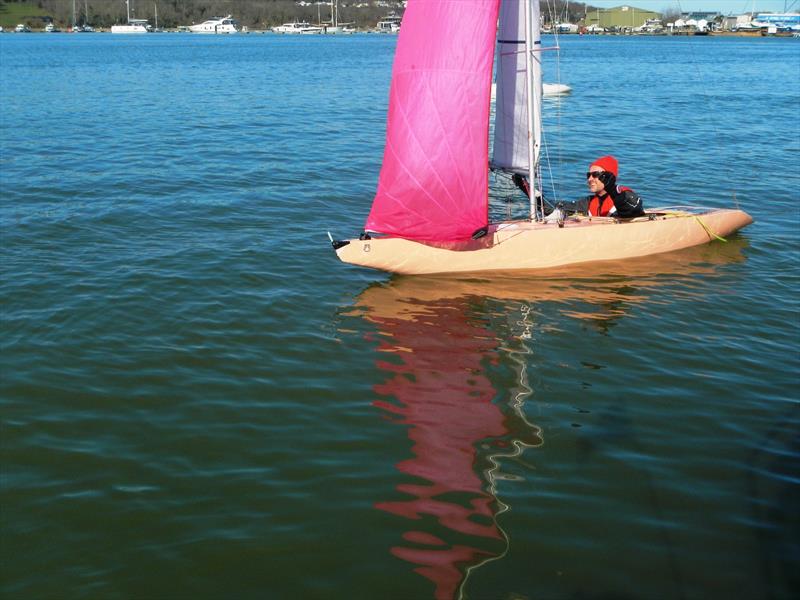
28,12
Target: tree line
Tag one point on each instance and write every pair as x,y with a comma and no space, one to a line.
256,14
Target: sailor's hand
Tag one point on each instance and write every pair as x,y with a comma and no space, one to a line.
628,204
609,183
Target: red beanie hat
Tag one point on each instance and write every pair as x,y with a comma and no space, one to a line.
607,163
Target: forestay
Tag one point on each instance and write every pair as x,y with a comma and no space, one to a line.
433,184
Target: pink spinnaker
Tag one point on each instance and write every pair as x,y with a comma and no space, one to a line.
433,184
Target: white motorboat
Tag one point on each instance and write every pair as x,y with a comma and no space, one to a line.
548,89
217,25
22,28
297,27
389,24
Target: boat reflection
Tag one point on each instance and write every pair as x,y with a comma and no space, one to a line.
444,342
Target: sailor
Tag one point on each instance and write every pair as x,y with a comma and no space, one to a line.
606,200
609,199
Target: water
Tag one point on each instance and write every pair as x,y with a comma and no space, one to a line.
199,400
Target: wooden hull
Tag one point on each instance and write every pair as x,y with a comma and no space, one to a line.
407,297
524,245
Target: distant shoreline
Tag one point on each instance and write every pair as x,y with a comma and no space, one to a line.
376,32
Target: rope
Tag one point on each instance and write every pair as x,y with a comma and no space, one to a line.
709,232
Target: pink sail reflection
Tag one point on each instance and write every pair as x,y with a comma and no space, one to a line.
440,390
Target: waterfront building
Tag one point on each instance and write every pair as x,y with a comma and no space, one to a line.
620,17
778,20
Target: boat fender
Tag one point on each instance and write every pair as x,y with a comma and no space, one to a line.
561,213
480,233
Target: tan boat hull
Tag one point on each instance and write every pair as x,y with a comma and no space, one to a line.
531,246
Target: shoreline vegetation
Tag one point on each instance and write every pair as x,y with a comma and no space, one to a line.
373,30
254,14
259,16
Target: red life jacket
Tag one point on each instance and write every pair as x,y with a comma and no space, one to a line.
601,208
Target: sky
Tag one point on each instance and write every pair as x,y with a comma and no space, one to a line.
723,6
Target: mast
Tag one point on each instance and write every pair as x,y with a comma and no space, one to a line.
533,48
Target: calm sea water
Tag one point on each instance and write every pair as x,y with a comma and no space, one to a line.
200,401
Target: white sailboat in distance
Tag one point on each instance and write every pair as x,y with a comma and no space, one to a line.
133,25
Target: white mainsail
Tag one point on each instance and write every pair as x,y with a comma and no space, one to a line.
511,124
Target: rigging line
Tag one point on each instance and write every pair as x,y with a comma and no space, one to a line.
559,145
554,29
549,169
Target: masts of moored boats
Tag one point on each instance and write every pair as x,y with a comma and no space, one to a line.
132,25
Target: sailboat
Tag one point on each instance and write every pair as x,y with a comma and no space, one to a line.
334,27
133,25
430,212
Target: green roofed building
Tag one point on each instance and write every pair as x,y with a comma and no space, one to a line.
621,17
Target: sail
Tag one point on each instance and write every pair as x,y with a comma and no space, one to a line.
511,125
433,183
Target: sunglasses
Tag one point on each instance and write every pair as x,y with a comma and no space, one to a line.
595,174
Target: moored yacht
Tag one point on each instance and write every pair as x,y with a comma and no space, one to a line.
22,28
548,89
217,25
389,24
133,26
297,27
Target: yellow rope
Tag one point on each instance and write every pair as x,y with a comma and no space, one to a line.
709,232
